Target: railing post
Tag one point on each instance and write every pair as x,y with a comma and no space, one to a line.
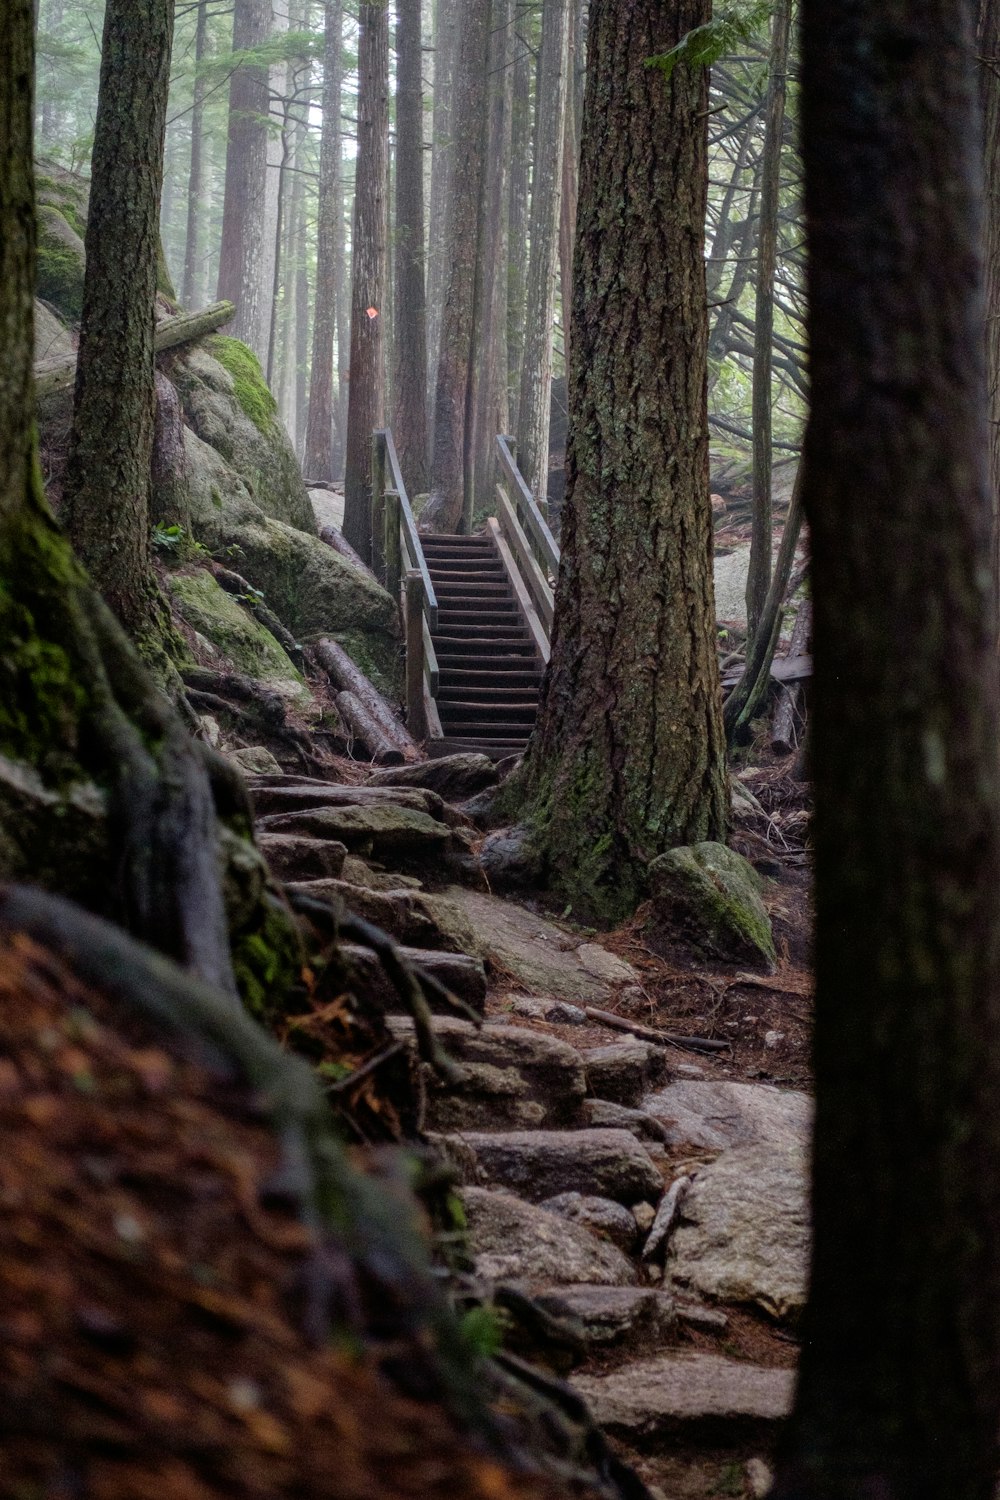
393,551
416,713
378,505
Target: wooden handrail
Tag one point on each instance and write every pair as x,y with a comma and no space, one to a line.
528,513
408,530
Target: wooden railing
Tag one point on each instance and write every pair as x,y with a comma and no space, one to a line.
398,560
527,546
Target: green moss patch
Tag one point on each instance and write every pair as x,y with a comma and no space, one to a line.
251,389
61,262
710,896
216,615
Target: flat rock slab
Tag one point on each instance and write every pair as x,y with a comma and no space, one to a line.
517,1241
623,1071
540,1164
602,1216
455,777
540,957
379,829
410,916
694,1396
465,977
514,1077
293,856
743,1234
621,1317
718,1115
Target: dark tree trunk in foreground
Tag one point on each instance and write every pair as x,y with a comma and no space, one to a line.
759,574
989,79
107,491
318,462
628,757
899,1393
410,344
534,404
195,204
454,371
366,396
445,27
241,258
519,63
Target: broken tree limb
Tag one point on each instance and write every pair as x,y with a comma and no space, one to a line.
788,711
363,728
339,543
648,1034
59,373
348,678
667,1212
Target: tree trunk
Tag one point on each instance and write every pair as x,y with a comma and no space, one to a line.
195,205
759,574
318,461
241,258
410,344
570,192
628,757
107,489
445,28
899,1383
546,193
366,398
520,181
489,367
452,395
989,59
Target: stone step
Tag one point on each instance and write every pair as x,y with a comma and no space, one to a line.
292,856
697,1398
511,1240
625,1319
380,830
463,976
540,1164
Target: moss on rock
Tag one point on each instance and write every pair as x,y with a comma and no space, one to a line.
710,896
216,615
61,262
249,386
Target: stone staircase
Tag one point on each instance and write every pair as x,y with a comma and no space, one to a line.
490,672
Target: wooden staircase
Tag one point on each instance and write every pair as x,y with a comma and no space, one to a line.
489,670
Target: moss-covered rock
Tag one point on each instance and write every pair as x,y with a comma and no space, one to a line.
228,405
710,896
53,339
218,617
61,262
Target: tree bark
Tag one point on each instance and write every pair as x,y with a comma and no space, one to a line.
410,343
628,756
366,398
570,192
452,395
318,462
759,574
107,490
489,367
520,182
445,28
195,204
899,1382
241,258
989,60
534,403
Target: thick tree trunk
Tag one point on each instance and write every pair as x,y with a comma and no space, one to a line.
570,193
489,367
628,757
989,59
318,462
546,193
522,72
107,488
899,1391
410,343
452,395
366,397
195,186
241,258
445,28
759,574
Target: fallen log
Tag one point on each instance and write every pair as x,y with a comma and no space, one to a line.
648,1034
58,373
350,679
339,543
363,727
788,709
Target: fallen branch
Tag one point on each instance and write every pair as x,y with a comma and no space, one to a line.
59,373
670,1207
648,1034
375,711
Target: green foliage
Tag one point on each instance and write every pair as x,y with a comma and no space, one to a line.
177,544
482,1331
734,25
251,388
60,278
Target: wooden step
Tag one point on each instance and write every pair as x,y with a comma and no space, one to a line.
480,729
488,713
466,693
465,655
495,749
465,678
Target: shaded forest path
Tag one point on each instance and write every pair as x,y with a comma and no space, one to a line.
489,670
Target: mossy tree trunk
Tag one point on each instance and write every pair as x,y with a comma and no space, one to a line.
366,394
241,256
107,488
410,343
318,462
899,1393
628,757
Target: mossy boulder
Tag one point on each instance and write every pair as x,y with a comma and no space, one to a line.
53,339
250,648
62,262
710,896
227,404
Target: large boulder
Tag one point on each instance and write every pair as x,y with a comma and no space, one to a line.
62,260
719,1113
516,1241
53,339
743,1234
698,1396
710,896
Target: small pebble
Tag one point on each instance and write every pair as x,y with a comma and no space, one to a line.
773,1038
760,1477
687,1070
644,1214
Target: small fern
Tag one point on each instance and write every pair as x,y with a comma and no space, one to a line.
725,32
